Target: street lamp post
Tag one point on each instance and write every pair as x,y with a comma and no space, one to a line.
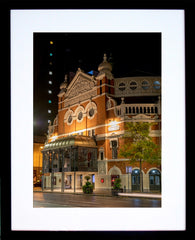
141,177
62,156
128,171
74,168
43,171
52,172
72,154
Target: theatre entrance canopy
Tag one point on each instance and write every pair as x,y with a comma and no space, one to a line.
72,153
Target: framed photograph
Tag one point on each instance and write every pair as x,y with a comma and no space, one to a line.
99,97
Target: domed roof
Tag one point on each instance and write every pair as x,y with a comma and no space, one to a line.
77,140
105,65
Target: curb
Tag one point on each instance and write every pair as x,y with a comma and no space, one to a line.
76,193
153,196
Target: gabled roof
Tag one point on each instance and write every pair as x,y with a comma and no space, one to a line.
81,82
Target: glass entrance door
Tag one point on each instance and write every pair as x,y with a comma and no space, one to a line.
135,180
155,180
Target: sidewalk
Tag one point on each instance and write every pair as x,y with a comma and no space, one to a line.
140,195
78,191
102,193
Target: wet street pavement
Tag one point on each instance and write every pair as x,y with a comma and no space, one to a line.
51,200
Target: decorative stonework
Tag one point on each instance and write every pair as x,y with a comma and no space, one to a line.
80,98
114,171
141,117
81,86
105,69
101,167
110,103
90,111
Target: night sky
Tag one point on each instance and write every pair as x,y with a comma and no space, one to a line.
131,54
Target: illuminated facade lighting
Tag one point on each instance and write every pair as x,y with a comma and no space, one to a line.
88,124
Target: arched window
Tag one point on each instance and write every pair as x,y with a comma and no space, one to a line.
91,110
79,112
68,118
114,149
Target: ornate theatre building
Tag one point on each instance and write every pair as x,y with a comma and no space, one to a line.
87,133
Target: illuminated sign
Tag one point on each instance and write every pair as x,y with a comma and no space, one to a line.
113,128
102,180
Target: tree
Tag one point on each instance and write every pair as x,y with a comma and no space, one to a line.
88,187
139,146
117,184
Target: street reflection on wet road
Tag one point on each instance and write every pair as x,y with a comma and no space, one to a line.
81,200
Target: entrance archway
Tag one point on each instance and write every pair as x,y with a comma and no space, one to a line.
155,180
113,177
115,172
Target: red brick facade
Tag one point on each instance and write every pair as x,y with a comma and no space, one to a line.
93,107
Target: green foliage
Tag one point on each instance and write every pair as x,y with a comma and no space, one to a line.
88,187
117,184
87,178
140,145
137,131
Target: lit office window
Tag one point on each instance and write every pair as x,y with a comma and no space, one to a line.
50,82
49,101
50,73
51,54
51,42
49,91
49,111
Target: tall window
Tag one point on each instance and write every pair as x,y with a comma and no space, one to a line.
101,155
114,149
100,87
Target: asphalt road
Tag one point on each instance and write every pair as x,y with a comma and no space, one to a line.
51,200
